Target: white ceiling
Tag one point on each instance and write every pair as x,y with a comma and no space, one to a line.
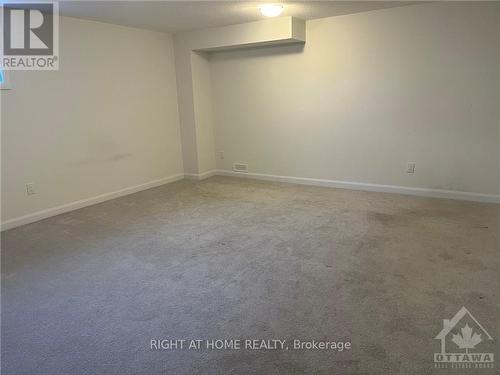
175,16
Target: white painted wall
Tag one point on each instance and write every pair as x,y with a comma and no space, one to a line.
202,96
107,120
368,93
193,79
184,77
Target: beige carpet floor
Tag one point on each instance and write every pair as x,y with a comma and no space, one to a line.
226,258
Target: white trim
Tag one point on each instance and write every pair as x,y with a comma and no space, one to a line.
422,192
433,193
200,176
36,216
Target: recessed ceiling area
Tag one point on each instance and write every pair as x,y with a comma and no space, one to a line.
176,16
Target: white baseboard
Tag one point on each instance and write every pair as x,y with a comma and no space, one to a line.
433,193
422,192
39,215
200,176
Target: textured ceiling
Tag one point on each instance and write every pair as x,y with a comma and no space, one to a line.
175,16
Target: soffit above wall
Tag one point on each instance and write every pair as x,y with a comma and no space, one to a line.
177,16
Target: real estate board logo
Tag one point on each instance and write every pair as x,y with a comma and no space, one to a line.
462,334
30,39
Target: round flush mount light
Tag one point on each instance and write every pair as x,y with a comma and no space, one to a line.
271,10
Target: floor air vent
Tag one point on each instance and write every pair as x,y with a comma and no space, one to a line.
238,167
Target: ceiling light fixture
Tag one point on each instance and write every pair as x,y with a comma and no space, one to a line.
271,10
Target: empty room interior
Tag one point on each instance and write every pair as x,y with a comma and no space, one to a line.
234,187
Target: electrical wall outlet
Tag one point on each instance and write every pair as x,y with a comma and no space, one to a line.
30,188
410,167
220,154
